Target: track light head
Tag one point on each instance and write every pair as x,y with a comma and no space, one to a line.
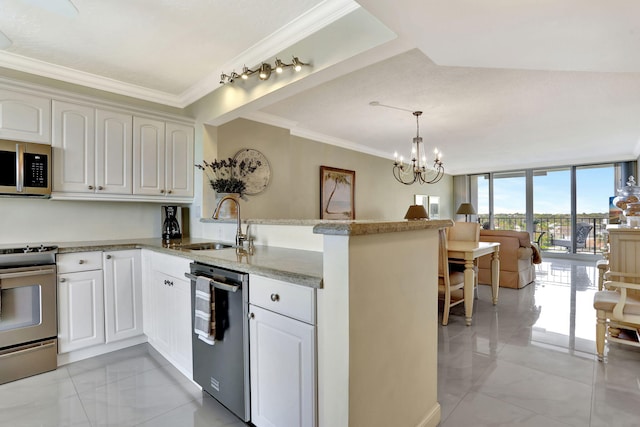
297,64
265,71
279,66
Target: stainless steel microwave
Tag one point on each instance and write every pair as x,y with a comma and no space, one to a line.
25,169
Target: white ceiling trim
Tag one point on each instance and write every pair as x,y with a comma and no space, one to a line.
270,119
315,19
273,120
44,69
338,142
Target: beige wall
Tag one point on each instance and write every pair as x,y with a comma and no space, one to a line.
293,192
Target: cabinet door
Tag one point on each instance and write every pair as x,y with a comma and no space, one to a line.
73,148
148,157
163,313
282,360
114,152
80,310
25,117
179,160
181,326
123,295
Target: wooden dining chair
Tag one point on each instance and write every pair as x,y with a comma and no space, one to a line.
450,284
468,232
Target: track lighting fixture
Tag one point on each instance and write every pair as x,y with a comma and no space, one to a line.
264,71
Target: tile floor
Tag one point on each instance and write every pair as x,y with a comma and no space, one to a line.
527,361
531,360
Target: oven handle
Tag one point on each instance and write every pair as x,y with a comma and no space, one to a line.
215,284
28,273
19,168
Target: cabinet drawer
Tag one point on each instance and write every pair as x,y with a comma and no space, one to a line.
172,265
288,299
79,261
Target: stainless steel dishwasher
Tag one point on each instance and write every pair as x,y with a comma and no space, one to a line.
222,369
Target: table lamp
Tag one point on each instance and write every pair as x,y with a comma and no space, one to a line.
466,209
416,212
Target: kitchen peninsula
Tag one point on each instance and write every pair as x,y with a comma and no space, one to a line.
376,314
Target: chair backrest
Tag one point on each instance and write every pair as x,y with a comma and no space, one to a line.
465,231
582,232
443,256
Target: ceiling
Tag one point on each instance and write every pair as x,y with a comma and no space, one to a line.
503,85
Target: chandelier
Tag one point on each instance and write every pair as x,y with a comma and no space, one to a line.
417,170
264,71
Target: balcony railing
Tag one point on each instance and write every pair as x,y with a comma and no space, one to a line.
548,228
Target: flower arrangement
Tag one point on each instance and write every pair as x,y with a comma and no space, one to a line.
227,176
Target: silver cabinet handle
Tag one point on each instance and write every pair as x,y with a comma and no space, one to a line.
161,191
169,192
108,256
80,261
62,280
275,297
90,187
252,316
100,187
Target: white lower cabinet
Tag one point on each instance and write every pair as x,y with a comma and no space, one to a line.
282,354
99,298
167,308
80,301
122,295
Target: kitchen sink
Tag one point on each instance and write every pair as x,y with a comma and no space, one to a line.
207,246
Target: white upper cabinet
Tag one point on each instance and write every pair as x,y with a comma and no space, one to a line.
112,155
162,158
25,117
92,150
179,160
114,152
73,147
148,156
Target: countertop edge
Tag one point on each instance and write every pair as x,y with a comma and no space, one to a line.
357,228
273,273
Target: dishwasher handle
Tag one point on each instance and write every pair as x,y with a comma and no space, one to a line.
215,284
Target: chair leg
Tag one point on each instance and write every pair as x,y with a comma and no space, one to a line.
445,311
600,333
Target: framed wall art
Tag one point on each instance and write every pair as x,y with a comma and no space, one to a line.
337,193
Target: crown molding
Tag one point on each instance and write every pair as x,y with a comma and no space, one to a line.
338,142
320,16
306,24
69,75
270,119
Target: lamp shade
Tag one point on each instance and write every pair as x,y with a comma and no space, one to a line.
466,209
416,212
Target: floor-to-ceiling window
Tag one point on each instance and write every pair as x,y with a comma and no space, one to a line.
565,209
552,206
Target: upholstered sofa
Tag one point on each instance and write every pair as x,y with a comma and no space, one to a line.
517,258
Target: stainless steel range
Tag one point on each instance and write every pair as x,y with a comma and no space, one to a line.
28,326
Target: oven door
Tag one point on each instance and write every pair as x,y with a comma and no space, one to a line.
27,304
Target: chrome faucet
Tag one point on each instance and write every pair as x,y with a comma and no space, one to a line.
239,236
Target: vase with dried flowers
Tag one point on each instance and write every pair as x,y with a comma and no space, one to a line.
228,176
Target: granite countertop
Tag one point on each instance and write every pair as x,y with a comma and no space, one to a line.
289,265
